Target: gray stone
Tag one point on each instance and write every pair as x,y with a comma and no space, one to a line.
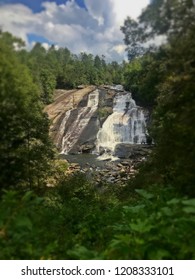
125,163
131,151
87,148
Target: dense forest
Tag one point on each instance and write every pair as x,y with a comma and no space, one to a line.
59,68
153,215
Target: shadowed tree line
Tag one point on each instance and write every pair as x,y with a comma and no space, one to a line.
163,78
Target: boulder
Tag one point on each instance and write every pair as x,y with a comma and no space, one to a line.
123,150
87,148
131,151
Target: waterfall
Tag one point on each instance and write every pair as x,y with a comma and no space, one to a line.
79,128
76,120
125,125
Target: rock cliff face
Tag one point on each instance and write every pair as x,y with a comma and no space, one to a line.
76,117
63,111
96,119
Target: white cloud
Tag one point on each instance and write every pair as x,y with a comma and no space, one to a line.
124,8
101,10
95,29
46,45
119,48
17,19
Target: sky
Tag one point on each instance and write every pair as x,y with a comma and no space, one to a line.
91,26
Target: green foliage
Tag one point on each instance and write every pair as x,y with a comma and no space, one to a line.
174,115
48,228
152,226
166,17
164,79
133,38
24,221
11,41
25,147
142,77
74,221
48,83
76,188
61,69
156,227
103,112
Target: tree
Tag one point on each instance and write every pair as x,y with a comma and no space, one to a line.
170,78
133,38
25,148
170,18
143,77
11,41
174,116
48,84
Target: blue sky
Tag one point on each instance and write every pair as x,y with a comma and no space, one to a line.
36,6
91,26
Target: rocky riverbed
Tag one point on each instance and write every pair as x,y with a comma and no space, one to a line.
118,171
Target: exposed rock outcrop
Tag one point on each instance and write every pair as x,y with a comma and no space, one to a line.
104,119
64,101
77,116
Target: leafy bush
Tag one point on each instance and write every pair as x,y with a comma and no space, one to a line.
26,227
79,224
156,227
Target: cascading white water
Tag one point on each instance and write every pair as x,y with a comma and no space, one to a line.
78,124
125,125
60,134
93,99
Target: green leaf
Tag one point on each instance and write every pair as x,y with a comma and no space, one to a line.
27,196
167,211
159,254
189,210
82,253
190,202
173,201
144,193
141,226
133,209
24,222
